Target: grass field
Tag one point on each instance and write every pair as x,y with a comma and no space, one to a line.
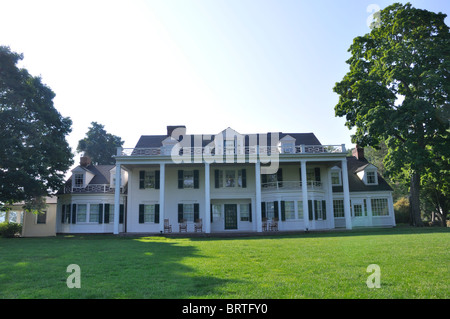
414,263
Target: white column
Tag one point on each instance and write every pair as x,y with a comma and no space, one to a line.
117,199
348,218
162,183
305,194
258,196
207,199
330,212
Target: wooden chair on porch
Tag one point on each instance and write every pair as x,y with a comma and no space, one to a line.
264,224
167,226
274,225
198,225
183,225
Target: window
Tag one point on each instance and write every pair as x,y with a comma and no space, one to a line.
289,210
244,210
230,176
336,178
149,179
319,209
94,212
229,146
371,178
216,211
149,213
188,212
227,178
300,209
358,210
188,179
41,218
380,207
287,147
338,208
78,180
110,213
81,213
270,209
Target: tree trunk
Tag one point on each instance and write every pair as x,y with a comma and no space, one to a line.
415,200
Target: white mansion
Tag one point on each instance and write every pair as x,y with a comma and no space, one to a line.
228,182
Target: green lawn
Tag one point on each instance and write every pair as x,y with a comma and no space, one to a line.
414,263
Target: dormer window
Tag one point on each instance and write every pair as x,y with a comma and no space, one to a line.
371,178
78,181
287,145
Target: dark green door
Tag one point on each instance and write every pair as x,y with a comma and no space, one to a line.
231,216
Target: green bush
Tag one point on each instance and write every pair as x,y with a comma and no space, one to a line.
10,230
401,209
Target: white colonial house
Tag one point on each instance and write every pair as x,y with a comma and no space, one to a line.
227,182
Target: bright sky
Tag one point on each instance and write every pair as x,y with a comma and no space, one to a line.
137,66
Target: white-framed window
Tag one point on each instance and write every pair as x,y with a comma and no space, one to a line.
338,208
78,181
318,209
371,178
217,211
111,213
289,209
81,213
149,213
188,212
188,179
270,210
41,217
380,207
94,212
230,178
336,178
300,209
244,211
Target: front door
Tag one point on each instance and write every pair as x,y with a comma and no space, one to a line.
231,216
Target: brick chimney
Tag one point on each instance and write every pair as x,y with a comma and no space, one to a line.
358,152
85,161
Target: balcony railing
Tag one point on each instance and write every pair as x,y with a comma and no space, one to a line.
248,150
286,185
92,188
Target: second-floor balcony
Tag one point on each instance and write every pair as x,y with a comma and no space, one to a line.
290,185
232,151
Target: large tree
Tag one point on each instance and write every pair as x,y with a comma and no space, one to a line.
99,145
34,152
397,91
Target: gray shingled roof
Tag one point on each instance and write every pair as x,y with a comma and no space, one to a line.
150,141
355,184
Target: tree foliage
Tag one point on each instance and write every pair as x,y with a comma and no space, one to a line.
99,145
397,91
35,154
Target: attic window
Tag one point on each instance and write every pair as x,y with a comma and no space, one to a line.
371,178
78,180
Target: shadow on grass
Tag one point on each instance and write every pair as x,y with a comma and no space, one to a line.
111,267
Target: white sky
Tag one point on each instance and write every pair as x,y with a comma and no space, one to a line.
137,66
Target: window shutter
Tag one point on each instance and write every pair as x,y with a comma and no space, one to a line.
141,213
180,213
100,213
106,219
315,209
196,179
250,212
317,174
180,179
324,210
141,179
263,209
156,213
283,211
244,178
211,212
310,209
63,213
280,177
121,213
216,178
157,179
74,213
263,179
196,211
300,174
275,209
